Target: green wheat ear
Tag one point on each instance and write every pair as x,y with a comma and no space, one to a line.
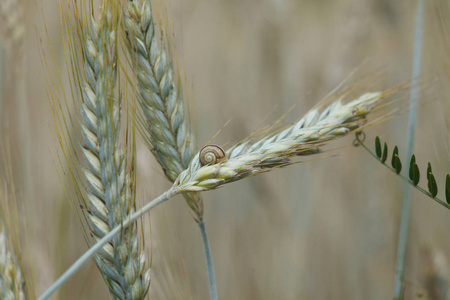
105,187
413,172
110,183
163,122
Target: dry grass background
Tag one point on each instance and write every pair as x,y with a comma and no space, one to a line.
325,229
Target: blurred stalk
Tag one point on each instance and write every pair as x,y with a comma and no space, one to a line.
414,94
2,71
24,128
209,261
13,86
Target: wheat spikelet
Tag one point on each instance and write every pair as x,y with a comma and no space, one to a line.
110,185
11,279
163,110
315,129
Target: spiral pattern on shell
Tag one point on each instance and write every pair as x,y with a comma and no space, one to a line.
211,155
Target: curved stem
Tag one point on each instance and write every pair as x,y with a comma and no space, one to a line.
209,262
441,202
93,250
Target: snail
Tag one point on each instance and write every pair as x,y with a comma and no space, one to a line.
211,155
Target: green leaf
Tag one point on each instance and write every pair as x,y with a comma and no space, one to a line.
385,153
432,186
395,153
378,146
395,162
398,164
447,189
414,173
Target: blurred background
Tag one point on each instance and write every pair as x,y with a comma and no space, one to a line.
324,229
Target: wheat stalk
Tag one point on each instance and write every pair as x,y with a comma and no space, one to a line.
315,129
164,122
110,187
404,223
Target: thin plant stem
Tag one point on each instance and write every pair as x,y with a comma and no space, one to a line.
405,179
209,261
414,94
97,246
2,71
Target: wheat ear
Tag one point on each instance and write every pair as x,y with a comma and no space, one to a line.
110,188
12,282
164,121
315,129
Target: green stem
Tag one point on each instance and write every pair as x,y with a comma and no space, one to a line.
441,202
209,262
93,250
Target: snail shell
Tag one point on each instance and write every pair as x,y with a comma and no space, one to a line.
211,155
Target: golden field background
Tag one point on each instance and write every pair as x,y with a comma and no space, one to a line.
325,229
